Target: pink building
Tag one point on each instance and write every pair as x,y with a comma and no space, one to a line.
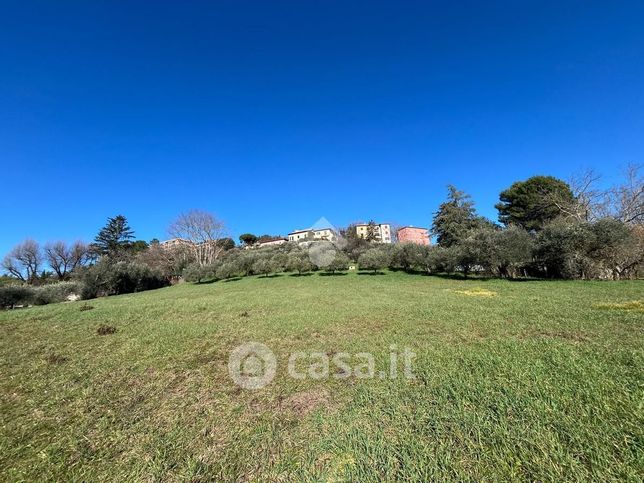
411,234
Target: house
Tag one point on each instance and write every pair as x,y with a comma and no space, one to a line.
381,231
412,234
327,234
322,230
311,234
175,243
271,242
300,235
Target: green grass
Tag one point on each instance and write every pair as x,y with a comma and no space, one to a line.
514,380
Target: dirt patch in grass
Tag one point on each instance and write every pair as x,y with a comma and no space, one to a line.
631,306
476,292
56,359
105,329
304,402
299,404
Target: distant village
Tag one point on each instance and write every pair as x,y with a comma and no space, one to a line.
376,232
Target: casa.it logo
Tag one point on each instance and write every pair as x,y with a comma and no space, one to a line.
252,365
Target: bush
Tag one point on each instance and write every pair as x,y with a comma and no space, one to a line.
616,249
562,250
227,270
513,251
374,259
340,263
196,273
279,262
55,292
12,295
299,261
438,259
404,256
262,266
114,278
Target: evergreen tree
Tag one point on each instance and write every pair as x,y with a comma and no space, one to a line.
455,218
534,202
248,239
113,237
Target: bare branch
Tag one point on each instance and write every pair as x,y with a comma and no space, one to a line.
24,261
201,230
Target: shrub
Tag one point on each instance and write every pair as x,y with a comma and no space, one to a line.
513,250
617,250
373,259
298,261
196,273
13,295
227,270
114,278
339,263
245,263
439,259
262,266
562,250
410,256
279,262
55,292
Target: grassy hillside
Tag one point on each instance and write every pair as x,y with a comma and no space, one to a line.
536,380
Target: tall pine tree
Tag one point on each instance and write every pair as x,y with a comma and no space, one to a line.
113,237
455,218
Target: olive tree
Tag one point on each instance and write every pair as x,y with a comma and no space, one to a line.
373,259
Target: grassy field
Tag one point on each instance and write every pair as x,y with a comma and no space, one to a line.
514,380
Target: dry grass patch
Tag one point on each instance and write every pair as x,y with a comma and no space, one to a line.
299,404
476,292
633,305
304,402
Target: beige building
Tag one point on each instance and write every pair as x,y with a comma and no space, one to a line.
271,243
382,232
310,234
175,243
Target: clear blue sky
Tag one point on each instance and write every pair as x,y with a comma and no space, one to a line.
273,114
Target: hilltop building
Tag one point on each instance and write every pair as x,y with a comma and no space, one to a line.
271,242
310,234
381,232
175,243
321,230
412,234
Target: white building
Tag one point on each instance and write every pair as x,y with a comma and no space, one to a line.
271,243
313,234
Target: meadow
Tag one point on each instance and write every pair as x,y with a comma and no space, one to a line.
514,380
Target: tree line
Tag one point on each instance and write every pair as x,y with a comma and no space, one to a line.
547,228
